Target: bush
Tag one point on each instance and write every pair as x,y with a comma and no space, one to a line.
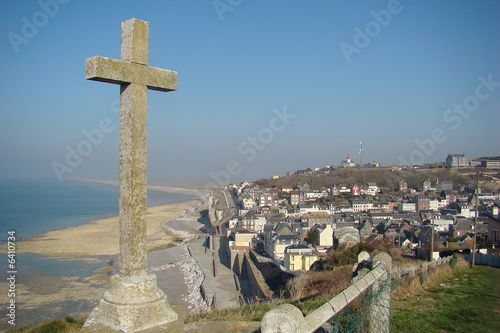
444,254
344,256
325,283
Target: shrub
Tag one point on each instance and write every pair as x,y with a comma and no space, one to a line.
345,256
324,283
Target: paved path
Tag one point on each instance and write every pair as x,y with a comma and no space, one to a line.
222,285
181,272
166,265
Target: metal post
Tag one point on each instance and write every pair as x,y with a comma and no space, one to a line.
432,239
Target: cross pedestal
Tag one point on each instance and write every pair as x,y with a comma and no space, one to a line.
134,302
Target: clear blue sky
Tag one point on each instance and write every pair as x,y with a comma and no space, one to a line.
240,63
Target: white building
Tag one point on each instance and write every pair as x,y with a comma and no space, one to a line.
361,205
407,207
434,205
325,234
373,189
347,163
456,160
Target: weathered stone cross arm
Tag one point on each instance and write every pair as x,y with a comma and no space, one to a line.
134,301
122,72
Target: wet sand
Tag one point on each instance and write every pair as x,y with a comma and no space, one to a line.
101,236
184,190
44,296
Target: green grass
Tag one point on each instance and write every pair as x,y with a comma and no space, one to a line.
251,312
467,302
255,312
67,324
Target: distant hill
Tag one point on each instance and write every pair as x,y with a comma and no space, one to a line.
383,177
493,158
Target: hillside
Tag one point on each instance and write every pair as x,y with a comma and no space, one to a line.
384,177
467,301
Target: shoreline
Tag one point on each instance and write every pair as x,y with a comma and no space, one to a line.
101,237
160,188
43,295
103,232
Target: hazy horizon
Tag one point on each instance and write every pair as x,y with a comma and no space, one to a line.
264,88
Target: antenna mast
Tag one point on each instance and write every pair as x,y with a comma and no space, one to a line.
361,153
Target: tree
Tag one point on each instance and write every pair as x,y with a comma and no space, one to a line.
313,237
348,196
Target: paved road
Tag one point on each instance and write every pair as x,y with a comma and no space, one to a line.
231,204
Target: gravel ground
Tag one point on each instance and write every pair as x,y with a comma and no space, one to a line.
180,278
177,260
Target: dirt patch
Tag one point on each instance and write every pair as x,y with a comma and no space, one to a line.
47,297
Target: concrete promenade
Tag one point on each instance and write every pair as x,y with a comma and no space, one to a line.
182,271
221,284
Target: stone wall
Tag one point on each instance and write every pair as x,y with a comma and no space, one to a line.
214,242
243,265
211,210
254,276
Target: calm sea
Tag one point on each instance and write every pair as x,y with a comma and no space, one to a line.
32,207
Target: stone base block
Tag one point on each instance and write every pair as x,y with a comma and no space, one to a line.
132,304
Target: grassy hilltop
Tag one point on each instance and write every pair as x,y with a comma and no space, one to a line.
386,178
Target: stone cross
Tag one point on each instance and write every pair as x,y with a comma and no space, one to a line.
134,76
134,301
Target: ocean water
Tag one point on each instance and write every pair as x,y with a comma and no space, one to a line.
32,207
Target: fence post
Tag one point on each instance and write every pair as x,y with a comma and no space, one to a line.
412,271
424,272
359,271
380,309
283,318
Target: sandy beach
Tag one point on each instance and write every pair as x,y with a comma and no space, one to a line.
100,237
43,296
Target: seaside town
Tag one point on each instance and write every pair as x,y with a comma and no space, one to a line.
295,225
115,221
